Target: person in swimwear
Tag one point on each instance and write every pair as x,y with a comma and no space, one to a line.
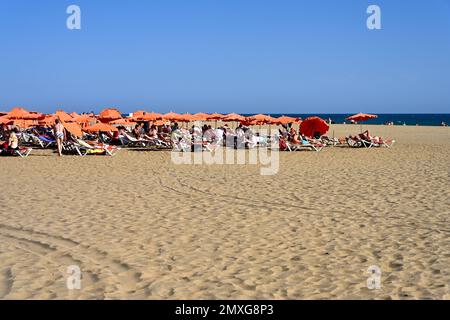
59,135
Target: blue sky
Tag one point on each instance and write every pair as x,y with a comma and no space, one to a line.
247,56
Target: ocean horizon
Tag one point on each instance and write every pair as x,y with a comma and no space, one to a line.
409,119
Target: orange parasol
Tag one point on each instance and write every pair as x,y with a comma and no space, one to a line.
84,118
24,124
63,116
215,116
49,120
73,128
145,116
283,120
139,113
248,122
74,114
172,116
233,117
201,116
20,114
104,127
187,118
260,118
314,125
362,117
109,115
123,122
5,121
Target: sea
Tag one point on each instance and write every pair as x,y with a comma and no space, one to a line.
421,119
407,119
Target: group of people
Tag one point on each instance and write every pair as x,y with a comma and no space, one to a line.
9,137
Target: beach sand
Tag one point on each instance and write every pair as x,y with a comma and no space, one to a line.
142,227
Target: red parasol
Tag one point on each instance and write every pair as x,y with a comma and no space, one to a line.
313,125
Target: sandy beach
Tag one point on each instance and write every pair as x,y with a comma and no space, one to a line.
142,227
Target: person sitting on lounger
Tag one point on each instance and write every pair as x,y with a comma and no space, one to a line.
293,137
13,141
153,132
137,132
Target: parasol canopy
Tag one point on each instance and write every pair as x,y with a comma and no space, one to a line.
123,122
233,117
259,118
84,119
187,118
215,116
284,120
362,117
145,116
63,116
109,115
103,127
5,121
313,125
22,114
172,116
49,120
201,116
73,128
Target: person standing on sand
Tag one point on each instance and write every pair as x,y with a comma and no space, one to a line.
59,135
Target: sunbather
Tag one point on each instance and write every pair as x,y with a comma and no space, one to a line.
153,132
59,135
13,140
137,131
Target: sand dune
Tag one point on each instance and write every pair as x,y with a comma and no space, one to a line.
139,226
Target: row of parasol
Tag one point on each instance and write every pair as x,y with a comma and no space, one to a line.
108,119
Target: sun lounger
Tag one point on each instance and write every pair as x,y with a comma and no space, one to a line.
310,145
109,150
21,152
82,148
157,142
369,143
382,143
330,141
131,141
45,142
